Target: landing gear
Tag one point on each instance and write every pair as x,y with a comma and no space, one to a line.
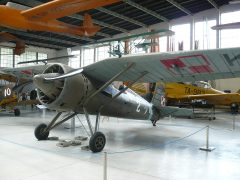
40,132
17,112
234,108
97,142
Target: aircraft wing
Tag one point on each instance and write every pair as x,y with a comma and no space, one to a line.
23,74
186,66
60,8
219,99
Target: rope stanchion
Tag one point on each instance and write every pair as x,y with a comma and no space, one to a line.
234,121
159,145
105,166
207,148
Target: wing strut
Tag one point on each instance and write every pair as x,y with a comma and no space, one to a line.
108,83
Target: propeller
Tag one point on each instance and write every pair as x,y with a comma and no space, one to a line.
67,75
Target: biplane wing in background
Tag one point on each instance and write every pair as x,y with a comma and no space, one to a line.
44,17
235,25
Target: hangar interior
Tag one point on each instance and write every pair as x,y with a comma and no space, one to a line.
135,149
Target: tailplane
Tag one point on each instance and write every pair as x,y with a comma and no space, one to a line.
159,102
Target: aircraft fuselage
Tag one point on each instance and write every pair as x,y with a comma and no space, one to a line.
72,94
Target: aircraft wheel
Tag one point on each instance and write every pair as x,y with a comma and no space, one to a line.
38,132
17,112
97,142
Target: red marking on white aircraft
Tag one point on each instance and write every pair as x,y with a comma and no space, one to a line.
28,72
182,64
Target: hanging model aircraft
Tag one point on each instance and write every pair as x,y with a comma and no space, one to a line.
140,40
44,17
88,90
235,25
200,91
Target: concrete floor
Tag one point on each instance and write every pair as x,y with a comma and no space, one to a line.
136,150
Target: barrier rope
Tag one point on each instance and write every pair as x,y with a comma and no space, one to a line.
159,145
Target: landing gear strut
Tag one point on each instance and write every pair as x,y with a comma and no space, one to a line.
42,130
97,140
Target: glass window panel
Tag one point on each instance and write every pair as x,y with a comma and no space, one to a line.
230,37
27,56
88,56
163,44
42,56
6,57
182,34
204,35
74,62
102,53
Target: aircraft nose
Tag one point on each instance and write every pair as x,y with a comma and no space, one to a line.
49,88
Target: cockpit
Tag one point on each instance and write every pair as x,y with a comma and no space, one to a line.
201,84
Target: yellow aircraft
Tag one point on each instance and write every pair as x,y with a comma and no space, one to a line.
8,98
182,92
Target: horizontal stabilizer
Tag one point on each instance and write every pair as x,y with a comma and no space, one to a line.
175,111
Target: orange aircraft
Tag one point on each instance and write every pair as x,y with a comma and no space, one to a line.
44,17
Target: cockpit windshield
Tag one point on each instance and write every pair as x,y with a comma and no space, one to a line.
202,84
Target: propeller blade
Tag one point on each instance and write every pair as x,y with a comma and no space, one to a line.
67,75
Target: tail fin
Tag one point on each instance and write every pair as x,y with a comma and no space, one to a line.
159,102
89,28
159,99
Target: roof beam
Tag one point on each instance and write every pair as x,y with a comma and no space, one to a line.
80,17
4,2
179,6
214,4
103,35
153,13
42,37
39,44
125,18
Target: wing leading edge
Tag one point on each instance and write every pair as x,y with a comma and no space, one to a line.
171,67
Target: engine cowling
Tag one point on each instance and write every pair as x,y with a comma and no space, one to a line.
64,94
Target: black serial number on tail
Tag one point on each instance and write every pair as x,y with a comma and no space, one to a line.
193,91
